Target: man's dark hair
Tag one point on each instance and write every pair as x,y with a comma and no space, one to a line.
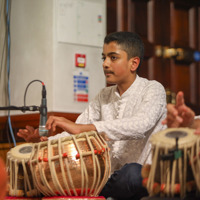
130,42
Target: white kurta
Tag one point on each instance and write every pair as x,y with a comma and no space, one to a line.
128,120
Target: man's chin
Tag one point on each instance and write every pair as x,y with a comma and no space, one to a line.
110,82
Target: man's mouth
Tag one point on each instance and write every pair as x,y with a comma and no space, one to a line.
107,72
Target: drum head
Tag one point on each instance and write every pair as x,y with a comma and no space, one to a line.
167,137
22,151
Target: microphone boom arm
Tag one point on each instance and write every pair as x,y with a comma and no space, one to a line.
22,108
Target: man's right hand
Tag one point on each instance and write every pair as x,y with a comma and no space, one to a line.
29,134
179,115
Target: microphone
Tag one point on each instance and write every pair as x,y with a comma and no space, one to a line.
43,113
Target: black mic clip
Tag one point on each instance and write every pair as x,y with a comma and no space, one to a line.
43,114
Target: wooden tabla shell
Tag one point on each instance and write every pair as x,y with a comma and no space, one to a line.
77,165
19,174
173,176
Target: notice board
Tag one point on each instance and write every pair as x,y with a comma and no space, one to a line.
81,21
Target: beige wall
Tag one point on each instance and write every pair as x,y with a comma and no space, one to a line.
36,54
31,49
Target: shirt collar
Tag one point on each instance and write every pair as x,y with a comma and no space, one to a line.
129,90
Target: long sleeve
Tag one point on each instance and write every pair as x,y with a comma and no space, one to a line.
129,116
128,120
133,124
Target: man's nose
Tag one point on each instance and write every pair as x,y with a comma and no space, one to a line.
106,63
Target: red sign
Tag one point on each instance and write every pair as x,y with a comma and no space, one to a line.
80,60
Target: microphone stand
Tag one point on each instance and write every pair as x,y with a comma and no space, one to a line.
22,108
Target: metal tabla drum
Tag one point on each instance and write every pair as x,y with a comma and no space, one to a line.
19,174
77,165
172,170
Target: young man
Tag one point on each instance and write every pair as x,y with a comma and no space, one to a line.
126,114
180,115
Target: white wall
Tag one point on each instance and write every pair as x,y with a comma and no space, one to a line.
31,50
37,54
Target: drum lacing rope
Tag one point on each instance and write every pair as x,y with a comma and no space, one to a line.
194,157
96,182
168,184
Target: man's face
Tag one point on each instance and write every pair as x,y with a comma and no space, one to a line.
116,65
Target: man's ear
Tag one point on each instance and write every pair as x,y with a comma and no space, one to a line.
134,63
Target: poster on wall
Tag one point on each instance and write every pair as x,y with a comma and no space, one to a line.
81,82
81,21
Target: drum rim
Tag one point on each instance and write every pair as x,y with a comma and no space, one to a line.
158,138
14,152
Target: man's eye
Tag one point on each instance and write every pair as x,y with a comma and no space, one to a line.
113,57
103,58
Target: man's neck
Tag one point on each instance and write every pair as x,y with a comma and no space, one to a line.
124,86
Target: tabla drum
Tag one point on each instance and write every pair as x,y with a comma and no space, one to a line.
77,165
195,163
172,170
3,181
19,175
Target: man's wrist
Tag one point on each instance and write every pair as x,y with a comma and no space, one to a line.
86,128
195,124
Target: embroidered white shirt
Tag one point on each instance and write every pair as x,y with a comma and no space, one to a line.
128,120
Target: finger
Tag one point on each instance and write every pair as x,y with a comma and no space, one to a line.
30,128
36,133
23,132
171,117
197,131
50,122
179,119
22,136
42,139
180,99
189,112
54,126
54,122
171,110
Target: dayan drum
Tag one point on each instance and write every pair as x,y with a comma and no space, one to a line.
19,174
78,165
175,158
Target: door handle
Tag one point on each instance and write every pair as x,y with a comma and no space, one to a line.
179,54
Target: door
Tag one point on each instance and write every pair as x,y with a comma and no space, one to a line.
170,30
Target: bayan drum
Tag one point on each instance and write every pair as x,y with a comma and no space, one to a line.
19,174
77,165
3,181
173,165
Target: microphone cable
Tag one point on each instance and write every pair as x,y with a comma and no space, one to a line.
8,8
36,80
